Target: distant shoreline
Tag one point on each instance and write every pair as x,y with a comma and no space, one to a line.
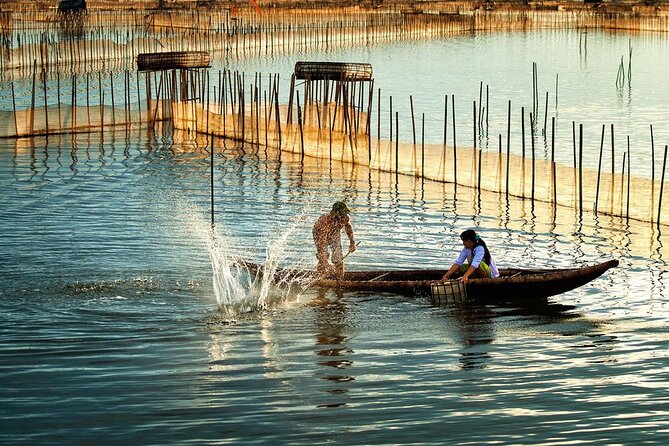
642,8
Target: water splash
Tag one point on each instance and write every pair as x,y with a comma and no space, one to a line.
239,289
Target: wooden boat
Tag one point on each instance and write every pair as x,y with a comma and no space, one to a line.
512,284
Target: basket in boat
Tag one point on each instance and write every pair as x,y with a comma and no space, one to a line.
173,60
451,291
339,71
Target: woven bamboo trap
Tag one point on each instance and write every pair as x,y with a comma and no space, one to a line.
451,291
71,5
339,71
173,60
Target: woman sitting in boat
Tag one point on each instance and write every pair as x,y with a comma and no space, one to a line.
327,234
474,259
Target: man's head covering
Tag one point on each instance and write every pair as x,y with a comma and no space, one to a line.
340,208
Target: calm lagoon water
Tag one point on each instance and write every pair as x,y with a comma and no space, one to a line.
111,331
111,323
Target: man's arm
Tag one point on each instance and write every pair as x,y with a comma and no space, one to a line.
349,232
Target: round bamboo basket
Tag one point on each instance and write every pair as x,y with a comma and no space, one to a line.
341,71
173,60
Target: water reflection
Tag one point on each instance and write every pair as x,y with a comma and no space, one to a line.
476,326
332,325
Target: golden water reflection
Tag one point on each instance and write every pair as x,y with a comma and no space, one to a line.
333,352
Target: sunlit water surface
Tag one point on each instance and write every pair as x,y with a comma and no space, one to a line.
123,320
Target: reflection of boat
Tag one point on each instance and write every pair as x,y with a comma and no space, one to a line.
513,283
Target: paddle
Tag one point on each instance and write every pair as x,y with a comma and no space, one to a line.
379,277
348,253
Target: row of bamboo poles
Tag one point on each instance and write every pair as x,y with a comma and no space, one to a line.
49,41
284,34
333,120
342,121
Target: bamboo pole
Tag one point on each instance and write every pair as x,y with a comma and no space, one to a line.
508,156
554,175
113,103
46,105
211,176
32,103
659,204
613,163
74,103
545,115
397,145
580,170
370,102
487,109
533,158
422,148
413,123
599,169
378,117
278,113
480,101
391,118
629,170
299,123
60,119
455,149
16,122
522,131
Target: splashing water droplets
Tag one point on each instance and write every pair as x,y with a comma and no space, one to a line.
238,290
228,288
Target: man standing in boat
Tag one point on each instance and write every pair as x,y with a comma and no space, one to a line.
327,236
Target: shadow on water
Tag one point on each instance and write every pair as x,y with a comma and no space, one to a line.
475,330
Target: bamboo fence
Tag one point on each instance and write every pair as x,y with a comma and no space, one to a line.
329,119
46,40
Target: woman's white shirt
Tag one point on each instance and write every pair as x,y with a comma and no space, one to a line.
474,259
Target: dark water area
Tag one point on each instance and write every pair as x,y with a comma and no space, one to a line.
119,320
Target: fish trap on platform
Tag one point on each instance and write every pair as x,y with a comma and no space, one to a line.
171,60
338,71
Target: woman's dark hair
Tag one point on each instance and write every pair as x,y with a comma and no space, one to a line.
472,236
